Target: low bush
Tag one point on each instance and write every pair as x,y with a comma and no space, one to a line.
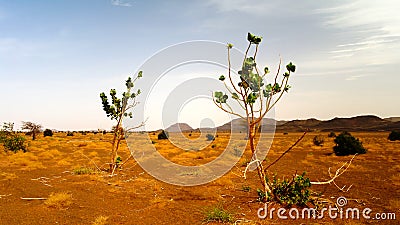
47,133
70,134
83,171
394,136
332,134
14,143
346,144
288,192
218,214
163,135
318,140
210,137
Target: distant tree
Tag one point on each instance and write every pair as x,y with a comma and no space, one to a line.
47,133
117,110
33,128
394,136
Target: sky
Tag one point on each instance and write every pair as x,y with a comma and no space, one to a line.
57,56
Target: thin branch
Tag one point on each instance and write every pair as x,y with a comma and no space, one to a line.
284,153
219,105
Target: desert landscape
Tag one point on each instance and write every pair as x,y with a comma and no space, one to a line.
199,112
60,181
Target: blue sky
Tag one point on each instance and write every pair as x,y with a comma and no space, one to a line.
57,56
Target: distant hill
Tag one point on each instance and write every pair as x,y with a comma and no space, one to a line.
179,127
393,119
357,123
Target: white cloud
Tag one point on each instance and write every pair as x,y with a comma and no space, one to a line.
121,3
371,28
247,6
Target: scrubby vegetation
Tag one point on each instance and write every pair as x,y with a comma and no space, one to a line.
58,200
346,144
332,134
163,135
11,140
47,133
210,137
394,136
318,140
32,128
288,192
70,134
83,171
218,214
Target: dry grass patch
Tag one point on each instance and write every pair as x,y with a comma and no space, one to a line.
50,154
26,160
396,179
100,220
59,200
7,176
83,171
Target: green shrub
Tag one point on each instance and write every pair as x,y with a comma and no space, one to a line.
332,134
14,143
318,140
70,134
210,137
394,136
163,135
346,144
218,214
48,133
289,192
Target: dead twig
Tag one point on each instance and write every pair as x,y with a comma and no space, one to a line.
337,174
284,153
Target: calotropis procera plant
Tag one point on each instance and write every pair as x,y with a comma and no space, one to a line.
255,95
117,111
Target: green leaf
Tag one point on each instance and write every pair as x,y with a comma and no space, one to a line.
222,78
266,70
220,97
286,74
276,87
253,39
140,74
291,67
251,98
235,96
229,45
